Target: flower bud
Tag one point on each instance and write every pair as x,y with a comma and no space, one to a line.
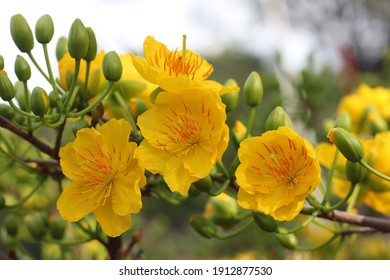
137,107
7,91
374,120
289,240
204,184
355,172
21,33
203,226
11,224
97,112
36,225
264,221
79,124
230,99
62,47
344,121
222,210
44,29
22,69
193,191
278,117
238,132
40,102
78,40
20,95
253,89
347,144
6,111
112,67
92,47
57,228
1,62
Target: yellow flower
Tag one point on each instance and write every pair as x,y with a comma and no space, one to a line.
96,79
184,135
106,178
373,191
278,170
357,103
176,70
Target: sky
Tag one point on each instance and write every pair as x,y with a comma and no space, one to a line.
210,25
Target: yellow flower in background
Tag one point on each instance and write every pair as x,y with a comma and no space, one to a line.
277,171
364,97
374,190
184,135
176,70
96,78
106,178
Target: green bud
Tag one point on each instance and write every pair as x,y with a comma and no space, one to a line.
374,120
203,226
153,95
6,111
57,228
355,172
97,112
289,240
36,225
79,124
347,144
44,29
22,69
344,121
253,89
11,224
7,91
204,184
40,102
20,95
112,67
92,47
78,40
1,62
137,107
2,200
222,210
62,47
278,117
21,33
193,191
230,99
264,221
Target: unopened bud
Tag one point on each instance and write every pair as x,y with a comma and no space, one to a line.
203,226
374,120
20,95
355,172
97,112
347,144
22,69
222,210
204,184
264,221
1,62
11,224
57,228
44,29
6,111
78,40
112,67
21,33
40,102
288,240
253,89
62,47
230,99
7,91
36,225
278,117
92,46
344,121
238,132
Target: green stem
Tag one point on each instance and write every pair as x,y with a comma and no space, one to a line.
353,199
71,92
23,200
330,178
86,79
222,167
374,171
220,190
321,245
28,105
341,202
126,110
20,111
37,66
51,78
301,226
233,233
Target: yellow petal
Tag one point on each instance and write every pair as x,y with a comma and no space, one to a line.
112,224
126,196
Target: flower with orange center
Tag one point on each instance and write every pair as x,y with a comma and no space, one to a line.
176,70
184,135
276,173
106,178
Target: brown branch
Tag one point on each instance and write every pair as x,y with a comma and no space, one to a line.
58,140
45,148
379,224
